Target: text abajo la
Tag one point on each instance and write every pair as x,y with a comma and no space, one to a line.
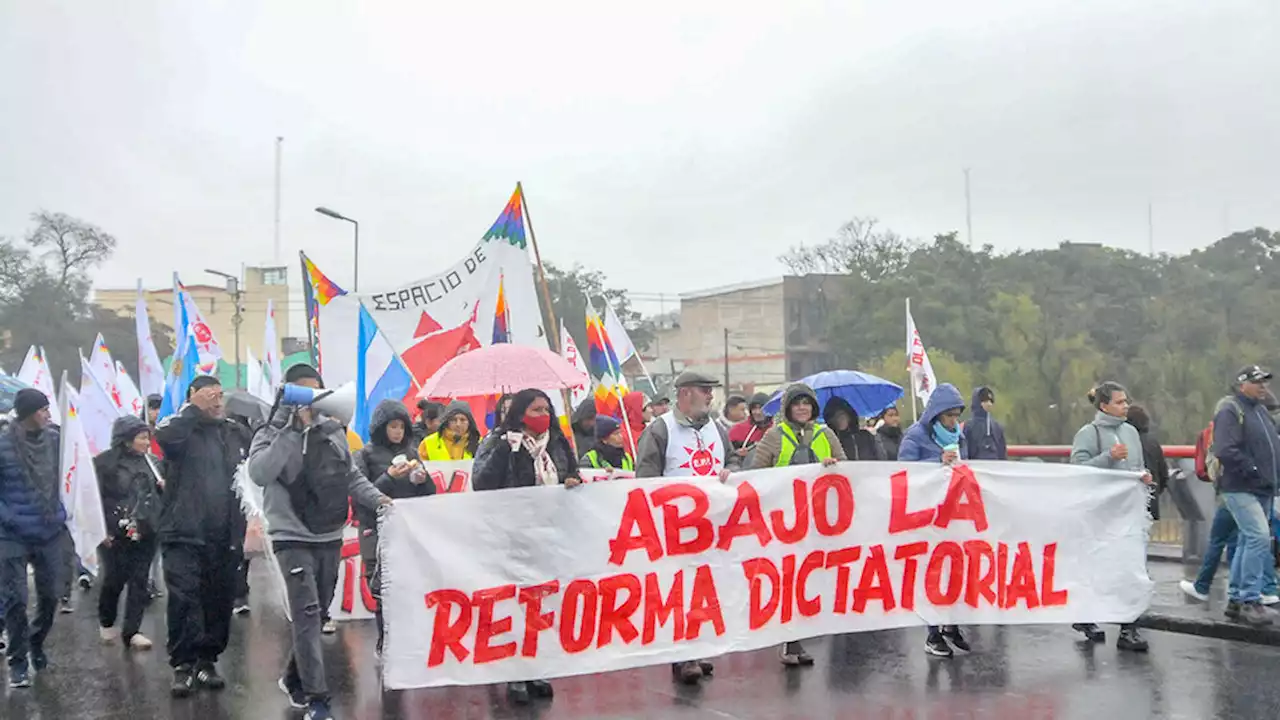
592,614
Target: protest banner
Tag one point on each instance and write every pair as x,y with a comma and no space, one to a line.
545,582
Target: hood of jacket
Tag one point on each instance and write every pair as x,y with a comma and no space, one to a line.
584,412
794,393
125,429
945,397
633,403
1139,419
387,411
975,407
835,405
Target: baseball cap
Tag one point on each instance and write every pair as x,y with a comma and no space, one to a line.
1252,374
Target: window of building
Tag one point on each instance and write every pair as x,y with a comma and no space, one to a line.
275,276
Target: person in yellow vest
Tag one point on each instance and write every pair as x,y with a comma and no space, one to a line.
798,439
457,437
609,451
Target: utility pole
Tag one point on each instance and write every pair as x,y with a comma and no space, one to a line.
726,362
968,209
276,238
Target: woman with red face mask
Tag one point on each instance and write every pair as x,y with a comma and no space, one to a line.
526,449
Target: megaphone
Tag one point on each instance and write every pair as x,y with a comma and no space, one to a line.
338,403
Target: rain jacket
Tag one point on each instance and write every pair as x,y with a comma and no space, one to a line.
983,434
918,443
31,510
201,456
633,403
497,466
373,461
1152,457
1244,439
858,442
436,447
126,481
770,449
584,414
889,439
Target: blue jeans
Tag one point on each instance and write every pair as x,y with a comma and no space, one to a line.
1222,536
1249,567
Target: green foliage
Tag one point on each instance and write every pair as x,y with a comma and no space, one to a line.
1043,326
569,291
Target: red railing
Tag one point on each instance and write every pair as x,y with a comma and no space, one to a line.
1173,452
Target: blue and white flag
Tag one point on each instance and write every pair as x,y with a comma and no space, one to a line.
380,373
180,376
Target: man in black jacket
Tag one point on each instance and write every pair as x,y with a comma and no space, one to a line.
201,533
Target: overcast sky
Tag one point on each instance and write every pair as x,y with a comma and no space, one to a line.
675,145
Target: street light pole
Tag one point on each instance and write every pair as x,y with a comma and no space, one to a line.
233,289
355,283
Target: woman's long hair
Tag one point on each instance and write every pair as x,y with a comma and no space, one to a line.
520,402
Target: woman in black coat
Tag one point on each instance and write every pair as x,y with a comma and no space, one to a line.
129,486
1152,457
527,449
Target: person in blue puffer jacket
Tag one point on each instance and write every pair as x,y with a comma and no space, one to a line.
32,530
937,437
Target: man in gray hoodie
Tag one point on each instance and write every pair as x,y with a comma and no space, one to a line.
303,463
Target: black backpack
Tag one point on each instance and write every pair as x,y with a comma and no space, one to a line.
319,494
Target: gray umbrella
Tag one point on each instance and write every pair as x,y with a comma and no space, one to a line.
245,405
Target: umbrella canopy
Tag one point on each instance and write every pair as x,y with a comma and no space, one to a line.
868,394
499,369
245,405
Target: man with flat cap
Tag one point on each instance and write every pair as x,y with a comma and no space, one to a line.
686,442
32,531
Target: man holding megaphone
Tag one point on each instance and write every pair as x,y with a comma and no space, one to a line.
303,463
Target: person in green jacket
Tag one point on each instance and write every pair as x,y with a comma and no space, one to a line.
798,439
609,451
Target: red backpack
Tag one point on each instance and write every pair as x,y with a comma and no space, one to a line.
1203,442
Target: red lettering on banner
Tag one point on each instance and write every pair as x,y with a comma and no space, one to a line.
808,607
963,501
614,616
844,504
636,531
1022,584
757,571
788,588
909,555
944,552
457,480
448,635
899,519
579,599
487,627
797,532
744,519
874,583
840,560
1002,573
704,605
978,582
1048,596
673,522
657,610
536,621
350,553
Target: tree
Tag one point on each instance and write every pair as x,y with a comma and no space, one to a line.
569,291
858,248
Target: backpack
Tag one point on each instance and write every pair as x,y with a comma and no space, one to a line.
319,494
1208,466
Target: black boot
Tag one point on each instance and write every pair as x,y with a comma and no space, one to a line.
541,689
518,692
687,672
1131,640
1092,632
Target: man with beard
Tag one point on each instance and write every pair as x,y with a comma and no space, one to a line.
32,531
686,442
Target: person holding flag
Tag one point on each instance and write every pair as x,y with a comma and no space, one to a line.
33,531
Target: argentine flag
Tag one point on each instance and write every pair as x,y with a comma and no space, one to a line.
380,373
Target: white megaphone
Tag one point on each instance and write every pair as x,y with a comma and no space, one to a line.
338,403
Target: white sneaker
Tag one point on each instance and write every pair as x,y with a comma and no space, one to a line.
109,635
140,642
329,628
1270,599
1189,588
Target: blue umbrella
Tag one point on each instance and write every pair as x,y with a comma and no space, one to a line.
868,394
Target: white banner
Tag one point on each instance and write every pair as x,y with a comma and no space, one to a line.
544,582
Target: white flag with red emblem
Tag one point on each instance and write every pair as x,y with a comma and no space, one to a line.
569,349
36,373
97,410
923,381
104,371
130,398
79,486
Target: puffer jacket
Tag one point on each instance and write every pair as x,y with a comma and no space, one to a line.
918,443
497,467
126,481
373,460
31,510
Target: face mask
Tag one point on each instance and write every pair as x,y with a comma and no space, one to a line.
537,424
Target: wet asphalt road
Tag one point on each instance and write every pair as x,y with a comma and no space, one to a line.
1027,673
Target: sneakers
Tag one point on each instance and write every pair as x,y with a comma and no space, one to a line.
19,677
1131,640
85,581
154,592
1269,600
688,673
1189,588
39,661
140,642
518,692
318,710
937,646
184,682
1092,632
952,635
1255,615
541,689
297,699
207,676
706,667
241,606
330,627
109,635
1233,610
65,607
793,655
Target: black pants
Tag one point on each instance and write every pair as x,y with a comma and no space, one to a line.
242,580
201,580
125,564
49,562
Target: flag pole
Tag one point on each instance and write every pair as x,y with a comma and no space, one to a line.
617,371
911,380
546,298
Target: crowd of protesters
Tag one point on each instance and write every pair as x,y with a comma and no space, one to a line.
168,493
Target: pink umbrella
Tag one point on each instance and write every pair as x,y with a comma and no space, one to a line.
499,369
